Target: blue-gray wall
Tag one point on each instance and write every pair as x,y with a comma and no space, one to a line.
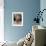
43,6
29,7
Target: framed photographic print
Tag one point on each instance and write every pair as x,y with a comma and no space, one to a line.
17,18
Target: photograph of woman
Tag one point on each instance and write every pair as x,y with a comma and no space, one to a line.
17,18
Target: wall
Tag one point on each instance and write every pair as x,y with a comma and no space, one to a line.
1,20
29,7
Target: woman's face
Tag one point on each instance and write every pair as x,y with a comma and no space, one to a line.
18,18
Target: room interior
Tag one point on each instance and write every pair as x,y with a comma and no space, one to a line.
19,35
